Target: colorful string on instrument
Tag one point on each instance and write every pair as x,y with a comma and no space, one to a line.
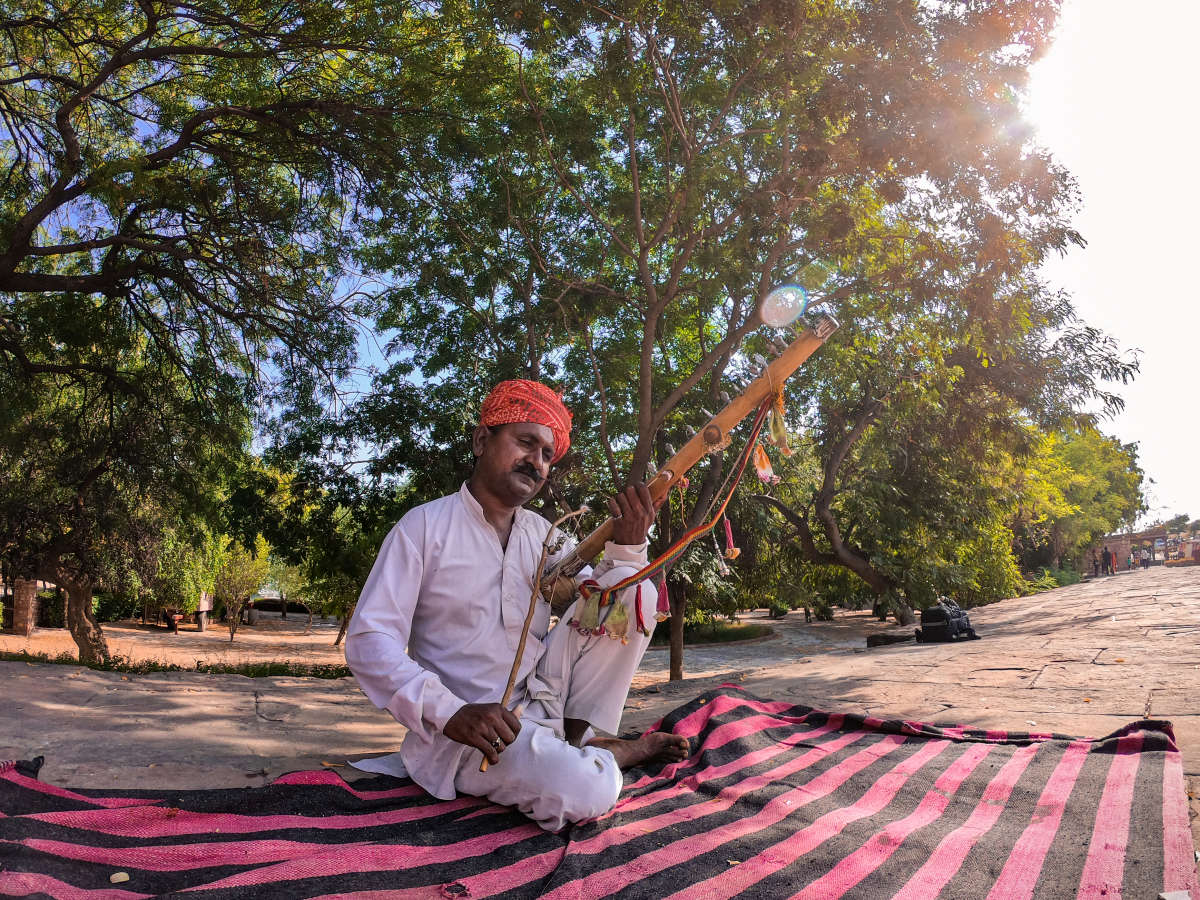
589,617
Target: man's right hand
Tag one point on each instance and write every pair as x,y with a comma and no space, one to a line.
478,724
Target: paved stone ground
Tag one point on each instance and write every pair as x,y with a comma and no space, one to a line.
1081,660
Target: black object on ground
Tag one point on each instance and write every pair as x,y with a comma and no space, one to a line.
881,640
944,622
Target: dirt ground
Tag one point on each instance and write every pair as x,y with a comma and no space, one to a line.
272,639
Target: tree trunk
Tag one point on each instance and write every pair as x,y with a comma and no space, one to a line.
342,631
235,613
678,597
902,611
283,602
844,555
25,602
892,602
308,627
85,630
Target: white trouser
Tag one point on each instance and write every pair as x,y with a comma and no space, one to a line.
578,677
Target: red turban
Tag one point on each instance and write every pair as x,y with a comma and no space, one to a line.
529,401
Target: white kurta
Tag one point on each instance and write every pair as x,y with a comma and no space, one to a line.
437,627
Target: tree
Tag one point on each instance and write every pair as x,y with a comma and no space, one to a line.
242,573
186,568
662,168
180,184
324,521
194,168
1099,482
1176,523
289,581
93,481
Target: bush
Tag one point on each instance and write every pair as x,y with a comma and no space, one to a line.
1064,576
777,610
717,632
1048,579
50,612
112,607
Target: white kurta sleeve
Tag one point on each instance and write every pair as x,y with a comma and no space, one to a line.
377,642
622,555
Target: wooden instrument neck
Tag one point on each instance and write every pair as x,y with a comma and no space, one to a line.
712,438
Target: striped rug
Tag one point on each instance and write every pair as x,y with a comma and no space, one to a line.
777,800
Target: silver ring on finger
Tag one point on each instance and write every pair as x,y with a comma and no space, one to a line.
497,745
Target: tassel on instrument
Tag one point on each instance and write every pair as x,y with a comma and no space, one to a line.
637,606
731,552
777,426
762,465
662,610
722,569
616,625
588,620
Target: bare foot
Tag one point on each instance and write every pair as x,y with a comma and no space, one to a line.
654,746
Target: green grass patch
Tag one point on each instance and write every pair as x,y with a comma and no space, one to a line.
711,633
1047,579
125,665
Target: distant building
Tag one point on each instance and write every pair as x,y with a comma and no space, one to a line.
1154,538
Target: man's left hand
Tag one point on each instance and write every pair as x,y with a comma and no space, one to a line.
633,513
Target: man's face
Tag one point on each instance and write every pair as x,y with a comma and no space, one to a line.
513,460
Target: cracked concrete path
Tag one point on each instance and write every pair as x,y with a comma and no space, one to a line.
1080,660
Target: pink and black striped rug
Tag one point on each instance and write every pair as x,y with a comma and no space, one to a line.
777,800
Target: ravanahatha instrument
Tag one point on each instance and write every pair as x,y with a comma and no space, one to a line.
714,436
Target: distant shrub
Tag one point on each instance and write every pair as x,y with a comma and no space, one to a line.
50,610
1048,579
714,633
113,607
777,610
1065,576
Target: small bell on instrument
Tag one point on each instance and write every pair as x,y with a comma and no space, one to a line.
725,398
670,449
759,360
689,431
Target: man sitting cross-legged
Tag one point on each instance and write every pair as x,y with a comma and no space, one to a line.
436,629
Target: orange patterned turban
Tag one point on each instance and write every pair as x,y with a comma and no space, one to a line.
529,401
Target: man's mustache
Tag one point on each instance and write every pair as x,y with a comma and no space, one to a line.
530,471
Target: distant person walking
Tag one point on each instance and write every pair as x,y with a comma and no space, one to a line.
1129,561
1106,561
1145,558
1095,564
